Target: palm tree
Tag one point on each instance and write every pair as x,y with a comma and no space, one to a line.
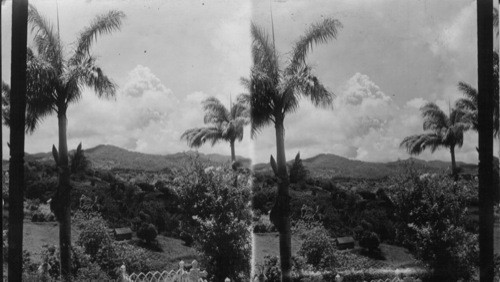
275,91
17,119
60,82
446,131
225,125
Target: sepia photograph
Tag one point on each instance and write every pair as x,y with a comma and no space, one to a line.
252,140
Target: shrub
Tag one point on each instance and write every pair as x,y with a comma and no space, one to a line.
272,271
38,217
92,272
187,238
222,219
318,249
51,264
369,241
28,265
41,189
147,232
432,221
263,225
135,259
94,236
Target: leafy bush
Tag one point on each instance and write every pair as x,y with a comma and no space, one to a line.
272,271
92,272
38,217
41,189
382,275
432,223
134,258
222,219
28,265
318,249
51,264
263,225
369,241
147,232
94,236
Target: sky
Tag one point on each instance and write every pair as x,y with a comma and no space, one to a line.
389,58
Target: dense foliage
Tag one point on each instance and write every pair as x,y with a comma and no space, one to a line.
218,201
432,223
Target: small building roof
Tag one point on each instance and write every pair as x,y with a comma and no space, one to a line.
123,230
345,240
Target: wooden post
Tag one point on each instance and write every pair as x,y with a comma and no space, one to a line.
485,124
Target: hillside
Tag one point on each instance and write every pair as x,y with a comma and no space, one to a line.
329,165
112,157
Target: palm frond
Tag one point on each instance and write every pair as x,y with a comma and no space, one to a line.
416,144
48,44
318,33
41,97
434,117
263,53
198,136
469,92
102,24
307,84
215,111
263,94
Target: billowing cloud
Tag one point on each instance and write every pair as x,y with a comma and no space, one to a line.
145,116
365,124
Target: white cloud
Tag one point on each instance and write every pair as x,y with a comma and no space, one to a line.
145,116
416,103
365,124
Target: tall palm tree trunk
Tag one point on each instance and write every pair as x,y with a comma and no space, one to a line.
282,206
64,199
485,122
233,154
17,119
453,163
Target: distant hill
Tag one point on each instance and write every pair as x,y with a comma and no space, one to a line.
329,165
112,157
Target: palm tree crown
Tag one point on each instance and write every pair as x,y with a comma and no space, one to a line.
225,125
445,131
276,90
60,80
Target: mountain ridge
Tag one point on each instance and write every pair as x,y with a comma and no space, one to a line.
113,157
330,165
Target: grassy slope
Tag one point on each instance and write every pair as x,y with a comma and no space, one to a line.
268,244
38,234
